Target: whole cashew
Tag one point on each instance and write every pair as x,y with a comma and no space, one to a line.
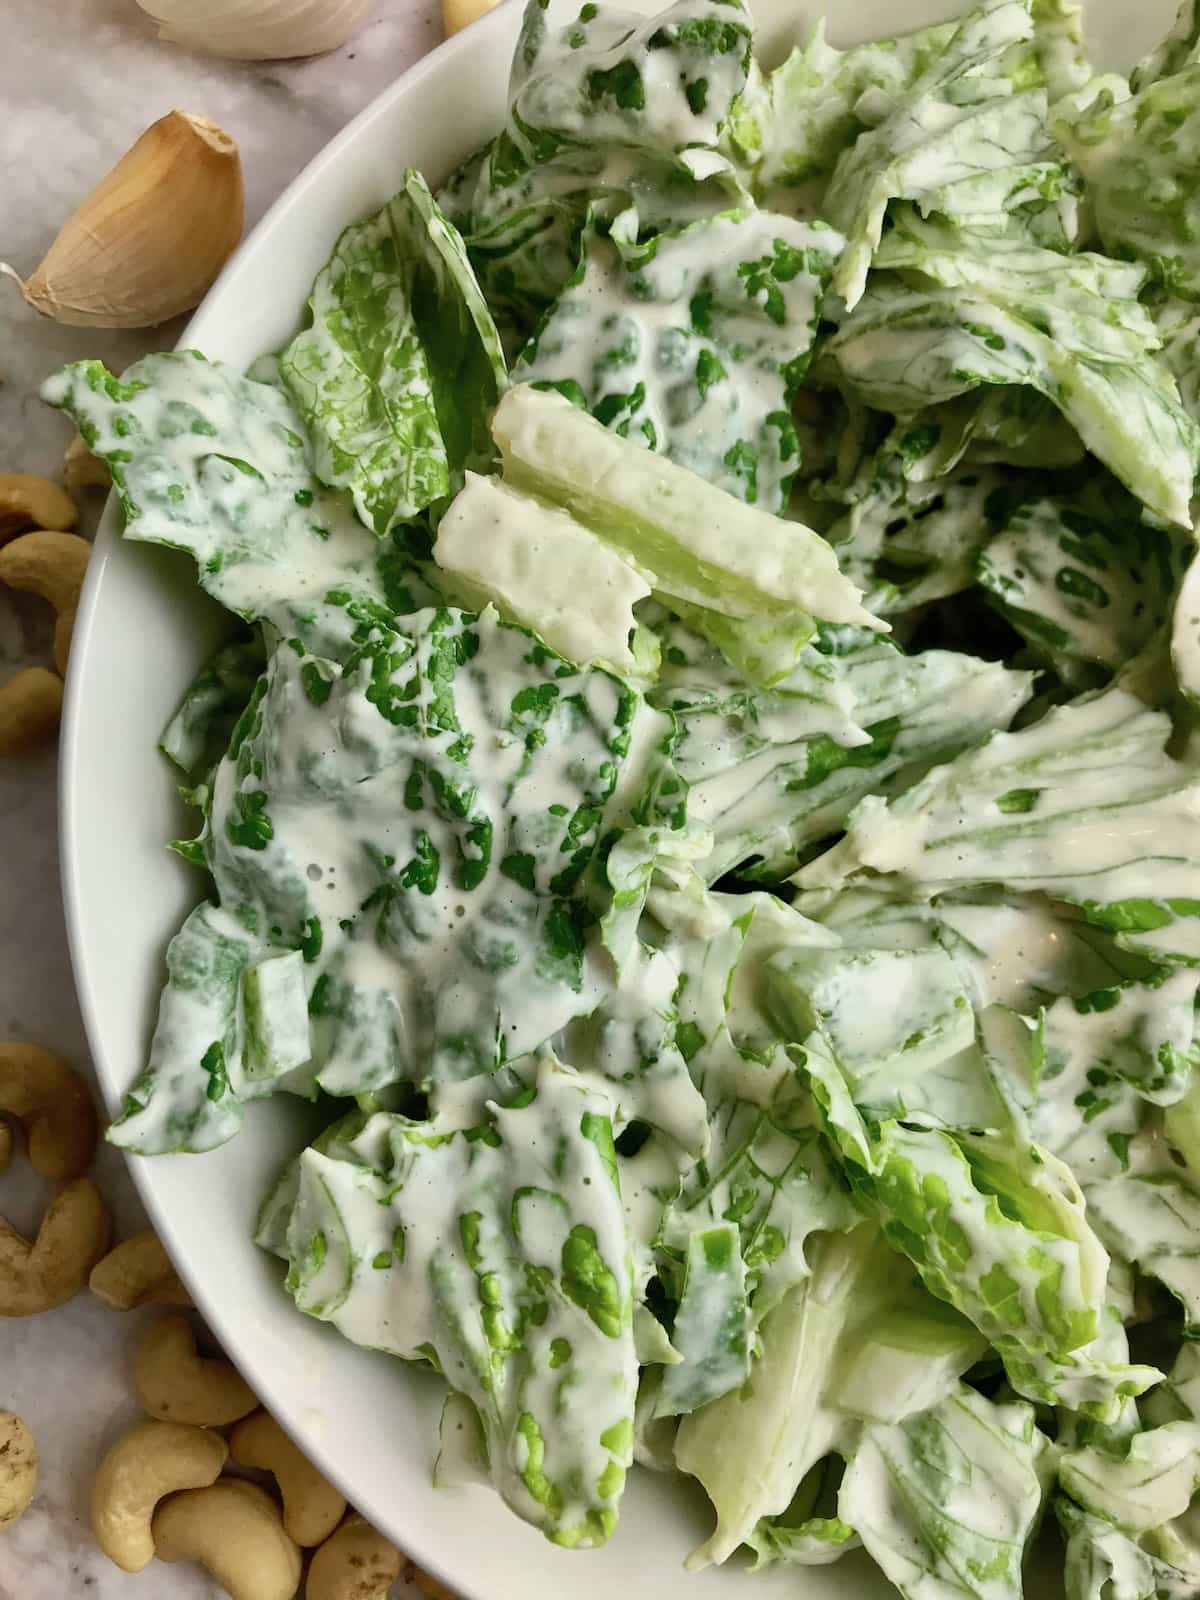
72,1238
30,706
433,1588
176,1384
18,1468
83,470
27,501
55,1106
152,1460
312,1507
232,1529
51,565
138,1272
355,1564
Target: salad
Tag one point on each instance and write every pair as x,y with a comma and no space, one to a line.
703,788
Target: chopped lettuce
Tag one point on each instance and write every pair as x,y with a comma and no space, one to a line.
695,542
695,343
870,1199
1085,589
967,309
611,109
401,365
499,1255
810,110
947,1501
440,916
1084,805
964,117
1138,156
213,463
773,771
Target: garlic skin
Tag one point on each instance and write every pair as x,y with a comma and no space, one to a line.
257,30
149,241
457,14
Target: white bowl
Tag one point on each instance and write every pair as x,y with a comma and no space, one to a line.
367,1420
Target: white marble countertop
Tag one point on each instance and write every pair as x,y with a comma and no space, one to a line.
79,80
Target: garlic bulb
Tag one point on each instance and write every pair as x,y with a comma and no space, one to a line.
149,241
456,13
257,30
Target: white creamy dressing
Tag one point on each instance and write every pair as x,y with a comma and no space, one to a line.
435,981
262,531
709,387
1036,810
433,1255
763,786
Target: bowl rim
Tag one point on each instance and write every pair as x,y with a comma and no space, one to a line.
419,1542
72,821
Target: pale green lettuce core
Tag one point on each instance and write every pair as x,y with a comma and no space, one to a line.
716,845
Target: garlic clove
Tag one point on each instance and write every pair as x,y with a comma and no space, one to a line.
457,14
257,30
149,241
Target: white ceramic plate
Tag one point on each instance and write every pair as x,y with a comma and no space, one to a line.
367,1420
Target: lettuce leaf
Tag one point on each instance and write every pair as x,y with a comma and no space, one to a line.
947,1501
509,1273
694,343
693,541
401,365
210,462
1138,157
809,110
611,110
1084,805
970,309
772,771
962,117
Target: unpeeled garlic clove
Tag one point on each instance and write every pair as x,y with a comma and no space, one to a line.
257,30
149,241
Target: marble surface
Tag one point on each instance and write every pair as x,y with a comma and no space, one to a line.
79,80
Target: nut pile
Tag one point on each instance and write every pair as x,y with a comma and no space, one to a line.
207,1476
38,555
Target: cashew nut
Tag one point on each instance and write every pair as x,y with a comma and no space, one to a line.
30,706
176,1384
83,470
433,1588
138,1272
232,1529
72,1238
457,14
55,1106
312,1507
27,501
151,1460
18,1468
51,565
355,1564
